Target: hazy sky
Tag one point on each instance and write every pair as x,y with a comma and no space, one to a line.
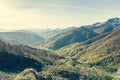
21,14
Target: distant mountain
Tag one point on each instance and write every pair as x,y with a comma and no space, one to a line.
69,37
104,27
15,58
49,33
80,34
19,37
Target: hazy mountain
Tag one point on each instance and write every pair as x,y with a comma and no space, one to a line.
80,34
69,37
19,37
49,33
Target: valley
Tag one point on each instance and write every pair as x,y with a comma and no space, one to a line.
90,52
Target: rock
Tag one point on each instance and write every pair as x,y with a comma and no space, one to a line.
29,74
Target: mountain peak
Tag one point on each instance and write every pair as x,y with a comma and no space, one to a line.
97,24
114,21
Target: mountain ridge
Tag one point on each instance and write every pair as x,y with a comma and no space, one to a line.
77,34
104,48
17,37
19,57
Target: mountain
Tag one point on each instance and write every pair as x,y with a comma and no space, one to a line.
69,37
96,58
81,54
49,33
80,34
104,27
17,37
101,52
15,58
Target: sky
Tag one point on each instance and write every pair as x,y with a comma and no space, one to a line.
42,14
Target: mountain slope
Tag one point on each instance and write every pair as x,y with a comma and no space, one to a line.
89,60
69,37
18,37
15,58
101,52
80,34
49,33
107,50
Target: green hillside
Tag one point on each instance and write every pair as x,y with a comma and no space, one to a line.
79,34
69,37
15,58
49,33
95,59
102,53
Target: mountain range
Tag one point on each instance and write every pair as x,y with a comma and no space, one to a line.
19,37
80,34
102,51
90,52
